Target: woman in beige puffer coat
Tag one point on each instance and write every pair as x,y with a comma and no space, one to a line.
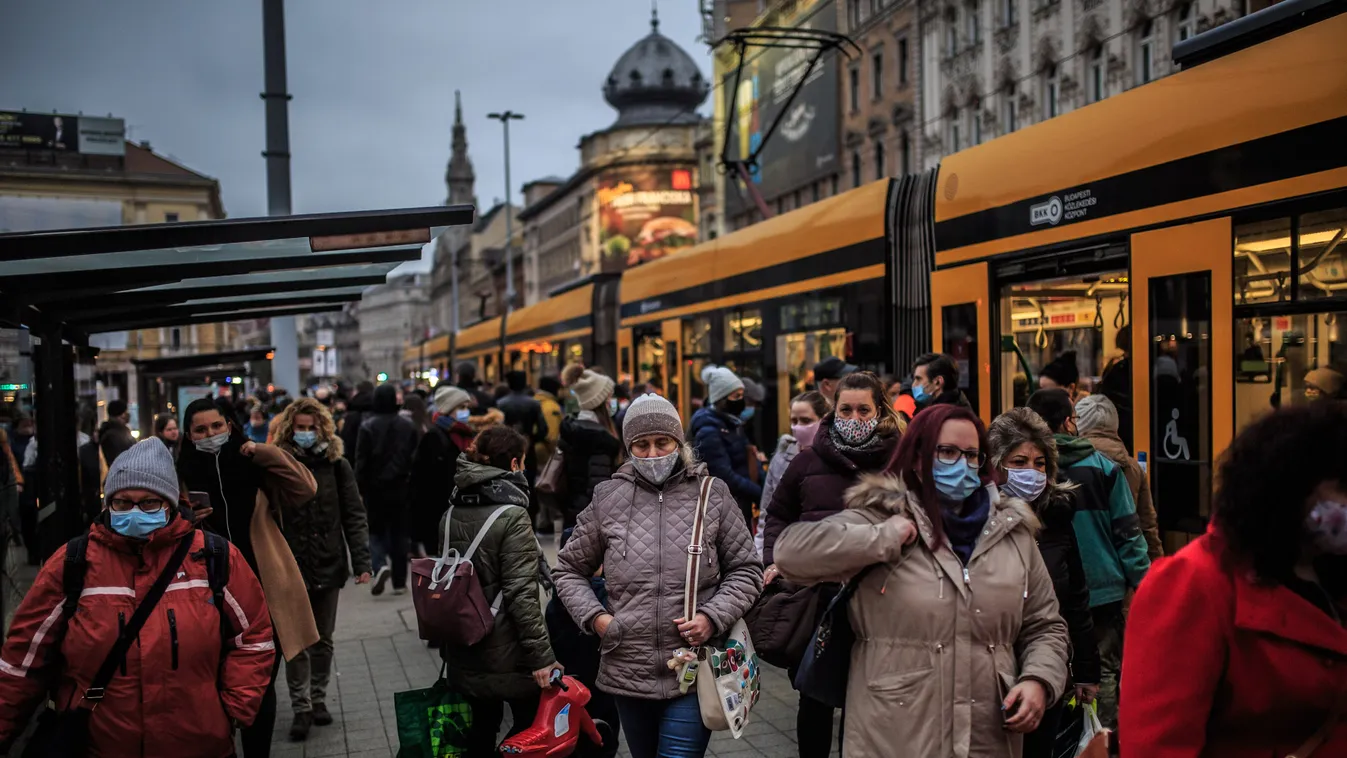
960,646
638,528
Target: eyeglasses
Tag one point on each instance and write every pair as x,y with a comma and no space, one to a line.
148,505
949,455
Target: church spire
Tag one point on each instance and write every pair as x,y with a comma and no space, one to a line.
459,176
654,15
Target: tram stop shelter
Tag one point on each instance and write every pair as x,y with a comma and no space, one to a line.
64,285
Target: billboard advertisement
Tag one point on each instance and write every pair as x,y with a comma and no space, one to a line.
87,135
644,213
806,144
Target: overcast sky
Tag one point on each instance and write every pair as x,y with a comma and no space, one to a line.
373,84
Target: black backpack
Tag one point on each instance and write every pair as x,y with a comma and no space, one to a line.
215,554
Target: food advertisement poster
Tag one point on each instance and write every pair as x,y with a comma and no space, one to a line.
644,214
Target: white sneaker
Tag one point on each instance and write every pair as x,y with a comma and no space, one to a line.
399,590
380,580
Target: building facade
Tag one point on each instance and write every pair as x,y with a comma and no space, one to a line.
634,197
60,186
879,90
989,67
393,315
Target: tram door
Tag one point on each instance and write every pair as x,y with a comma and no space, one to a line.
961,328
1183,368
796,355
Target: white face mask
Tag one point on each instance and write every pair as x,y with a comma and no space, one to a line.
1327,526
655,470
1025,483
212,444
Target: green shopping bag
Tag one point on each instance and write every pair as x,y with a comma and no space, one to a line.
433,722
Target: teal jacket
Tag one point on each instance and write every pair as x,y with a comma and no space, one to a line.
1112,547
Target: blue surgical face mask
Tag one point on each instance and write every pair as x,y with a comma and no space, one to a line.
612,406
919,393
462,414
748,413
137,523
306,440
955,481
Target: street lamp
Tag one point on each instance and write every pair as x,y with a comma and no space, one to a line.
505,119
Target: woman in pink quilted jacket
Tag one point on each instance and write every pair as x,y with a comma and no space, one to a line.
638,528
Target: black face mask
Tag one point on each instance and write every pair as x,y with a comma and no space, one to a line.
733,407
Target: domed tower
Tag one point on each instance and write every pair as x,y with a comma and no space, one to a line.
655,83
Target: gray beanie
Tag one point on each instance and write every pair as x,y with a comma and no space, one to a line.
651,414
592,389
1096,412
721,383
448,397
147,465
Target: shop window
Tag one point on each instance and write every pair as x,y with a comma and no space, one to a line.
743,330
1180,377
959,328
1322,254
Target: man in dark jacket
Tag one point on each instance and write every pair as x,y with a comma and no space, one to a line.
357,408
935,381
436,461
589,446
828,372
114,436
383,468
720,441
525,415
1112,547
467,381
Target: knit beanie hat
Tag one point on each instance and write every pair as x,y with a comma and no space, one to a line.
448,397
147,465
1327,380
720,383
592,390
651,414
1096,412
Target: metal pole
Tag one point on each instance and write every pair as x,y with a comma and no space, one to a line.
505,119
285,364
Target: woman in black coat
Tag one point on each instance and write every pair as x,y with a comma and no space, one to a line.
589,445
1022,451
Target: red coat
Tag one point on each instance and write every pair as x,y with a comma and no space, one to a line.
167,702
1217,665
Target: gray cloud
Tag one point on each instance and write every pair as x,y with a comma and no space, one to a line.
373,85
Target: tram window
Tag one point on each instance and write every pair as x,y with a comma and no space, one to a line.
1180,377
811,313
1288,360
697,336
804,350
650,359
959,325
1263,262
1323,254
577,353
743,330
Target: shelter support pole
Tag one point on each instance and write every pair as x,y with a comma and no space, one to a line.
149,403
57,451
285,366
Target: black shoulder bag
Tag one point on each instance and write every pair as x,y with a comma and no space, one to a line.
824,670
65,734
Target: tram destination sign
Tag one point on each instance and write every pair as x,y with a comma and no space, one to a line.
86,135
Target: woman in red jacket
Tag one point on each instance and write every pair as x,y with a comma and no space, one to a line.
189,679
1235,646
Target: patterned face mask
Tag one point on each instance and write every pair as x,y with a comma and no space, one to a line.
855,431
655,470
1327,527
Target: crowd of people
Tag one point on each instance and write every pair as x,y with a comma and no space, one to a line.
999,578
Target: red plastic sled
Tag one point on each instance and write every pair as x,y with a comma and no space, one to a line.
561,721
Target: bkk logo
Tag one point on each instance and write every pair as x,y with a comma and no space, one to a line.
1048,212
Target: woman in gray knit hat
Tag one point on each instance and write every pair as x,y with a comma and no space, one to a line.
589,443
638,528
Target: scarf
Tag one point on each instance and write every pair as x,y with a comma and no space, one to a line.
962,531
867,445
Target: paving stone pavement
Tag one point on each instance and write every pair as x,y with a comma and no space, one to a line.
378,653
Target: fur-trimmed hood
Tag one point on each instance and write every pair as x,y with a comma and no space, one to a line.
492,417
890,494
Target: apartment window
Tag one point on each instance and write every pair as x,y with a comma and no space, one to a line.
902,62
881,170
170,218
876,6
905,152
1187,23
815,190
834,182
954,145
1010,114
1095,74
1050,92
952,34
1146,52
877,73
974,32
1010,12
975,123
855,168
854,13
855,76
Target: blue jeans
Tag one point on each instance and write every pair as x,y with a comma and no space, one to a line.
663,728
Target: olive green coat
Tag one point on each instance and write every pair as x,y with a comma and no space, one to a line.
508,560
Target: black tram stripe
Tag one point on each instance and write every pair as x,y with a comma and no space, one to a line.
1296,152
854,256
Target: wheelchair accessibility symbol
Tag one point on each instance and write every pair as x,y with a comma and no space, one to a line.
1172,436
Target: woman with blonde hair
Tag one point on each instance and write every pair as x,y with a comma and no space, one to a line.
321,533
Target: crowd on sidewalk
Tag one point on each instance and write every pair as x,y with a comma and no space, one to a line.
1005,584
